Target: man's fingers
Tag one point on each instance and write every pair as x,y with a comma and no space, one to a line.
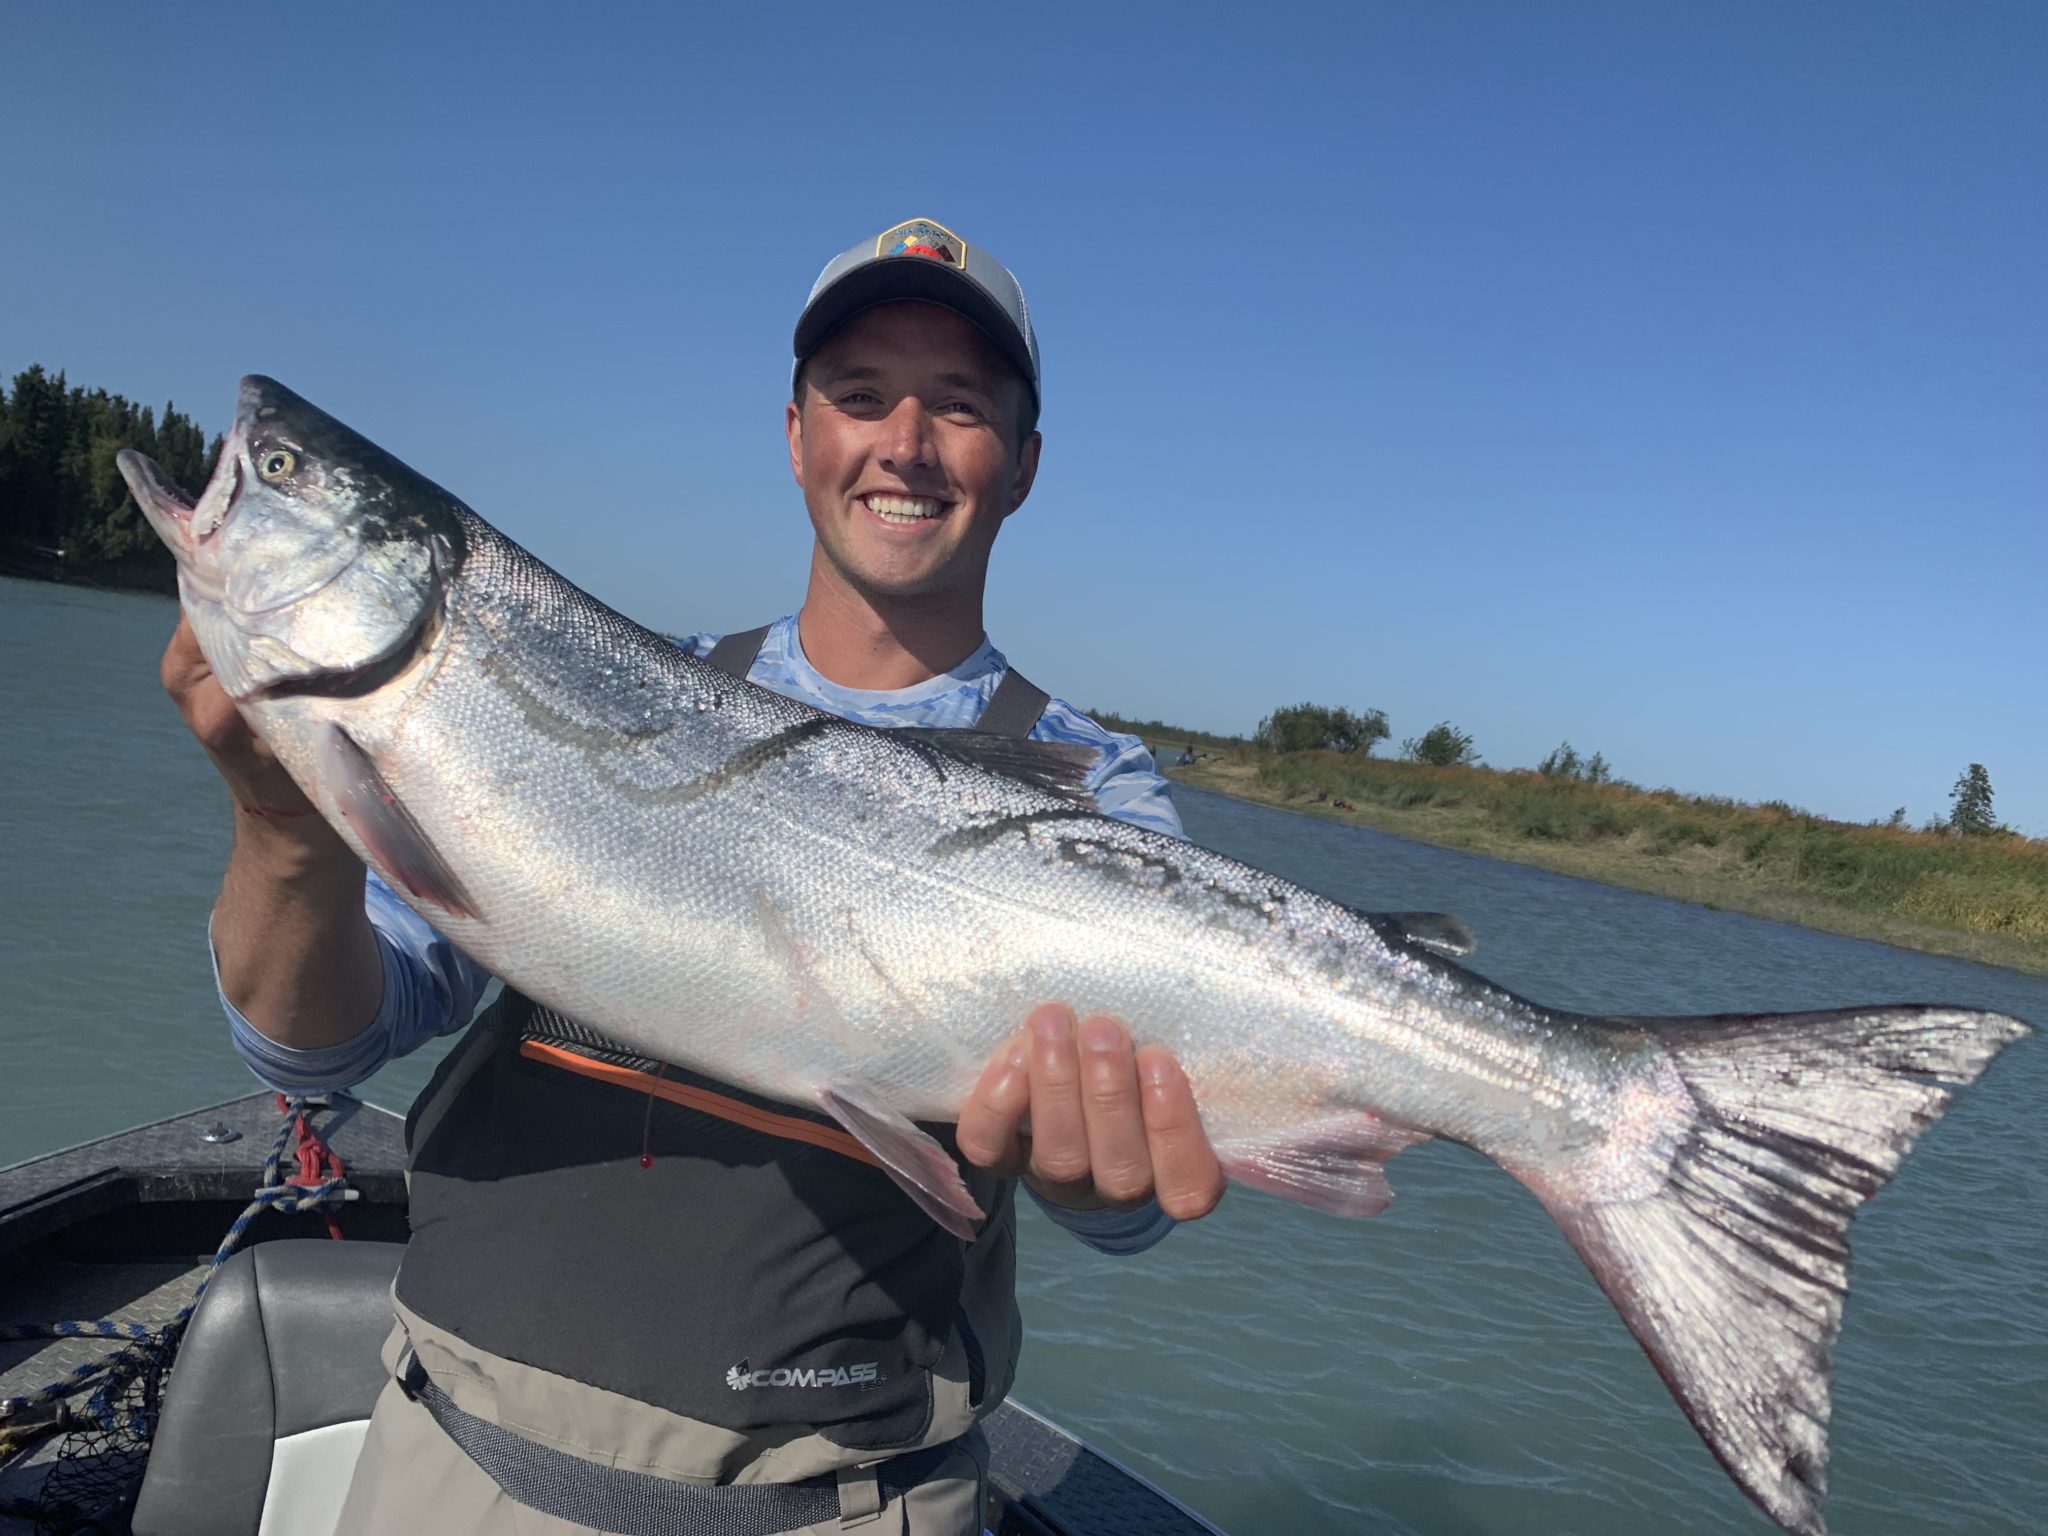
991,1120
1059,1126
1185,1174
254,776
1119,1160
1090,1122
208,712
181,658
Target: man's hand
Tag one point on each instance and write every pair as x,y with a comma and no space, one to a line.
1108,1127
295,951
254,776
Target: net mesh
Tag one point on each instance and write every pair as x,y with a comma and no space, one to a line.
96,1466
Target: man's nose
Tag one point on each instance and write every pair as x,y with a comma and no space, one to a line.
907,443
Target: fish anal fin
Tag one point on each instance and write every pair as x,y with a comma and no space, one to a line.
1338,1166
398,845
920,1166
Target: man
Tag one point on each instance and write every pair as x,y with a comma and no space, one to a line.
673,1295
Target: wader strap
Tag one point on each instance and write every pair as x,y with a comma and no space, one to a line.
734,654
1013,709
860,1495
638,1504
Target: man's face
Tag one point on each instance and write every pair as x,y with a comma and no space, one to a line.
904,444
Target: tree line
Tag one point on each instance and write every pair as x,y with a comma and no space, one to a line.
65,512
1324,728
1321,728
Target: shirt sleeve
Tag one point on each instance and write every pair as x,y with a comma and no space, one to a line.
1129,786
431,988
1125,782
1111,1232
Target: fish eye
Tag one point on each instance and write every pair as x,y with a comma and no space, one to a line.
276,464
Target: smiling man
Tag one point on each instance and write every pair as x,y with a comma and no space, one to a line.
635,1299
907,499
912,430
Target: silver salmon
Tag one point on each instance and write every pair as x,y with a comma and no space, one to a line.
854,919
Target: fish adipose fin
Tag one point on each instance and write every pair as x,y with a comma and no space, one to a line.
1732,1275
1438,931
398,845
1337,1166
920,1166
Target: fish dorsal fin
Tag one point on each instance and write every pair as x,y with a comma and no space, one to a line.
1437,931
921,1167
1058,767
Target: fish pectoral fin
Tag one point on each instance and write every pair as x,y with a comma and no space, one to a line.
1438,931
398,845
920,1166
1337,1166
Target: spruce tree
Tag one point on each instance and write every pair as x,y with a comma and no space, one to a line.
1970,803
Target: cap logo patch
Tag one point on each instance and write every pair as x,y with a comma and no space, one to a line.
921,237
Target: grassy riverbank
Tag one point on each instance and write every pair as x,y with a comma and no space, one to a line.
1980,898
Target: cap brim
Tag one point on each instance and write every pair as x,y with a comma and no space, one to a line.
889,278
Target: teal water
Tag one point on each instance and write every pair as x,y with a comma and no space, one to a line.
1445,1370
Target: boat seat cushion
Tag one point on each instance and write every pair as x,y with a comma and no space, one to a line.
271,1392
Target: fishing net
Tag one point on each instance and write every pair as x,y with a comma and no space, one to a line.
97,1464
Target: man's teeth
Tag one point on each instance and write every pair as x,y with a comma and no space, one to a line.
903,509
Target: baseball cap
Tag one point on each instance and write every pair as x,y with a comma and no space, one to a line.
922,259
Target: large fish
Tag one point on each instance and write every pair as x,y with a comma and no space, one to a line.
855,919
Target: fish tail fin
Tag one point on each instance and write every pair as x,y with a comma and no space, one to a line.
1732,1274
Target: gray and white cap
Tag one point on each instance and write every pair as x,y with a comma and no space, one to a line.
921,259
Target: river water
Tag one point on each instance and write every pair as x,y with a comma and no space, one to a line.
1447,1369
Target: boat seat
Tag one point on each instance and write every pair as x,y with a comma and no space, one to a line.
270,1395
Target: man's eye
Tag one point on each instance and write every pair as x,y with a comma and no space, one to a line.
962,408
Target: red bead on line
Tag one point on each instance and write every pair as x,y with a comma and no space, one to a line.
646,1159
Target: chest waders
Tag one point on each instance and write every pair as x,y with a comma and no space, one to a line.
644,1299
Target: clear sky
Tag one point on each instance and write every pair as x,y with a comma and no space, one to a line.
1666,377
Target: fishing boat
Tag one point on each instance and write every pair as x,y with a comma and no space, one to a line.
127,1410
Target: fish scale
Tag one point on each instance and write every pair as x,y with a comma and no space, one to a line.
855,920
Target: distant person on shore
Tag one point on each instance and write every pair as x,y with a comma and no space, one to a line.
1187,756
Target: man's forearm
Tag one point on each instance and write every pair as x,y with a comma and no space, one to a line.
297,956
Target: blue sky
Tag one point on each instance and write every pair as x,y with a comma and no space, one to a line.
1668,378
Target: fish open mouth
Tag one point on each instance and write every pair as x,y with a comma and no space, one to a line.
182,521
159,496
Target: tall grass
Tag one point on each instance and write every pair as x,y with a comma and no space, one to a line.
1987,885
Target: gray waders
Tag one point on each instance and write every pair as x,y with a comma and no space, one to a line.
637,1301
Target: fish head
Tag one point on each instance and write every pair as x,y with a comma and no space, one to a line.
311,557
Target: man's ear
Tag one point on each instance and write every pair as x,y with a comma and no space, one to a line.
1027,471
793,429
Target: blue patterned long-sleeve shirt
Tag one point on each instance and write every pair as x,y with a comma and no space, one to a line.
431,988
